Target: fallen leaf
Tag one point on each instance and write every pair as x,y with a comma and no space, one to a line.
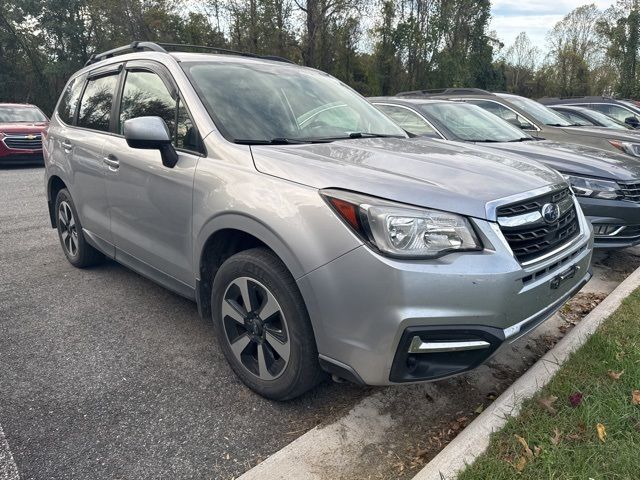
479,409
520,464
635,397
525,446
557,437
602,432
615,375
575,399
547,403
537,451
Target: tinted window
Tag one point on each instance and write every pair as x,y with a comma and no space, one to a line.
409,120
146,95
69,100
95,107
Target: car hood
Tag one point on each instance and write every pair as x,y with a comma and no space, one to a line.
23,127
601,133
577,159
424,172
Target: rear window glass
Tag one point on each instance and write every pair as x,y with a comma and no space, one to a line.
95,107
69,100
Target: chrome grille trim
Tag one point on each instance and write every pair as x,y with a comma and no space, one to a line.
23,142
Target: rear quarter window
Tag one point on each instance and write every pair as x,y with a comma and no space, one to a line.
69,100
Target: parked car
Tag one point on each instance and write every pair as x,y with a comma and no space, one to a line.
537,119
590,118
607,184
21,129
305,224
624,111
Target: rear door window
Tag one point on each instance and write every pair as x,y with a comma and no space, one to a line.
95,106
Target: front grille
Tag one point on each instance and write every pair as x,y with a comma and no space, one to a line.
630,191
24,142
536,238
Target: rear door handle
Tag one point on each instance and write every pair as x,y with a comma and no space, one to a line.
67,145
112,162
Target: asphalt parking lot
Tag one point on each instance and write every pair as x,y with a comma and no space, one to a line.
105,375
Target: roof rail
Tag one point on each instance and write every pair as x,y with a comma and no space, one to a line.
443,91
132,47
176,47
183,47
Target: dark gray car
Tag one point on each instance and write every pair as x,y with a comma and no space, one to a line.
607,184
624,111
305,224
537,119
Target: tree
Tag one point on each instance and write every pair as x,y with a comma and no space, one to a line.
520,64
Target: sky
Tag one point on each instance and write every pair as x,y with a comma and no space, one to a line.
536,17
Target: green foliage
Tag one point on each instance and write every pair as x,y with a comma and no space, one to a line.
595,387
411,44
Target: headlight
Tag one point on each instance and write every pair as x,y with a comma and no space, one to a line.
402,231
593,187
627,147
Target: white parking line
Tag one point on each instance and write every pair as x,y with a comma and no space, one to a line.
8,469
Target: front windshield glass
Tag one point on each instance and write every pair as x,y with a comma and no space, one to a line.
18,114
471,123
538,111
607,121
254,102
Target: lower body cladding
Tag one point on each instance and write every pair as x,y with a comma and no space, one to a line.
393,321
616,223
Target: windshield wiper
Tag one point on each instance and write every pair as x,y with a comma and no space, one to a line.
372,135
523,139
484,140
276,141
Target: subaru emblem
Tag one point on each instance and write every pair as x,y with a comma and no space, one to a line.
550,212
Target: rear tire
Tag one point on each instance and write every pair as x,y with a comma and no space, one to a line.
74,245
263,326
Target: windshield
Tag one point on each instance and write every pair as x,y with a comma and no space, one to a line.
471,123
20,114
538,111
254,102
607,121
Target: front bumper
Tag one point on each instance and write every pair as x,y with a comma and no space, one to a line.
621,215
362,305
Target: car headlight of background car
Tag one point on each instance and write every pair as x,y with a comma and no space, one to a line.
593,187
627,147
398,230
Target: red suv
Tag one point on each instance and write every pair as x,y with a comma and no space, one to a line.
21,130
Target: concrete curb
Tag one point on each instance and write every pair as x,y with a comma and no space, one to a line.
474,440
8,469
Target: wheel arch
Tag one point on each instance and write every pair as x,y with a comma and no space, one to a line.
225,236
54,185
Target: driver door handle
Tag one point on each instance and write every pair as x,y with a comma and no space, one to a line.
112,162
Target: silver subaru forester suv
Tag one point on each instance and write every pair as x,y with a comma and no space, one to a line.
306,225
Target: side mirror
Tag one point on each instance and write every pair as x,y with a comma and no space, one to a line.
632,121
151,133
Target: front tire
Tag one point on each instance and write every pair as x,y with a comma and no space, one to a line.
263,326
74,245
